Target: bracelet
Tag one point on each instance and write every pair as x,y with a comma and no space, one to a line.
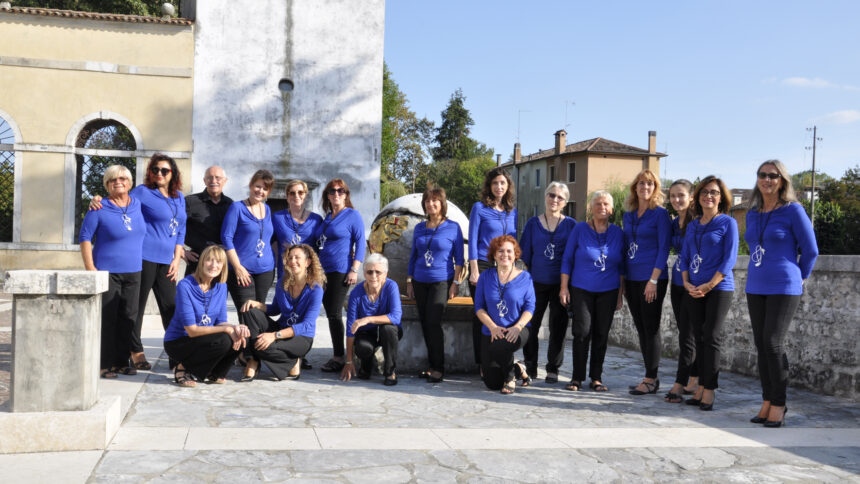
347,363
408,280
653,281
456,283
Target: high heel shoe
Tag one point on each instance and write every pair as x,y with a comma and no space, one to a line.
758,420
779,423
693,401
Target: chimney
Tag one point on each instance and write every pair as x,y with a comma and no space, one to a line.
652,141
560,141
653,163
518,155
498,159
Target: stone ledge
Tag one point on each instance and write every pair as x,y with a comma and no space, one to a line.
61,431
56,282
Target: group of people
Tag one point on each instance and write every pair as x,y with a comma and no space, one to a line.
584,269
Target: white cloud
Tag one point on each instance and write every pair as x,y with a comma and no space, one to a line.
839,117
815,83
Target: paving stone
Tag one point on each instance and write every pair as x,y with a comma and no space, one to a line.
545,466
276,474
232,476
140,462
431,474
378,474
696,458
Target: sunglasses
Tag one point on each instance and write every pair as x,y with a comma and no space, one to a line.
772,176
296,193
156,170
336,191
373,273
554,196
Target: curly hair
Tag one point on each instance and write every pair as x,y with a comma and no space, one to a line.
496,244
725,196
175,183
631,203
334,183
487,196
315,274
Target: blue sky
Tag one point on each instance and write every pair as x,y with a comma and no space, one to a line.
726,84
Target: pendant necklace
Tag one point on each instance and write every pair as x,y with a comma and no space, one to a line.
549,251
428,254
501,306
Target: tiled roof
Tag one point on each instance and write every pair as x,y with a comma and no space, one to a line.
110,17
594,145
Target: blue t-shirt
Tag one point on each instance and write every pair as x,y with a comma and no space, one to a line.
595,262
286,229
359,306
677,244
518,296
244,232
116,249
543,261
192,304
647,241
165,223
709,249
445,244
485,224
300,313
339,242
782,234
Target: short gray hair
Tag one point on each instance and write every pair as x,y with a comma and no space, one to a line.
377,259
116,171
600,194
560,187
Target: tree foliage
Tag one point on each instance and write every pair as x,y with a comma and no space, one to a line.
452,137
803,180
837,214
124,7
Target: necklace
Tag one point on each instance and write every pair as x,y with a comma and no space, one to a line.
634,227
696,263
501,306
602,239
758,254
260,244
328,220
428,254
205,320
296,239
549,251
171,204
126,220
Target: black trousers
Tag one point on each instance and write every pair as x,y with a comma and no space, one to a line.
385,335
646,318
280,356
477,335
546,295
498,359
203,356
119,311
256,291
431,300
770,317
707,316
687,366
333,299
592,318
154,277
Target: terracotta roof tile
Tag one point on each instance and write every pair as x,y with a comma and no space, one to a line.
594,145
110,17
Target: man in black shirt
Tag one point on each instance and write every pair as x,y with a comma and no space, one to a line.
206,212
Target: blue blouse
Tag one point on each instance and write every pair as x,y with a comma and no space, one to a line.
244,232
165,223
782,234
339,242
485,224
709,249
445,244
518,296
543,261
595,262
286,228
647,241
192,304
300,313
677,244
117,246
359,306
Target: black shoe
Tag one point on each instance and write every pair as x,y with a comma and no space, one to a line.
652,388
306,365
551,378
693,401
775,425
332,366
248,378
390,381
706,407
758,420
434,379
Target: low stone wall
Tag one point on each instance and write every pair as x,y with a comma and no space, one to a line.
457,327
823,341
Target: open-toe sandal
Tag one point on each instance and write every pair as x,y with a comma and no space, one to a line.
124,370
182,379
650,387
110,375
673,398
509,388
598,386
524,375
573,386
140,365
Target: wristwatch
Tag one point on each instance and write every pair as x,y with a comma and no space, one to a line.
408,280
653,281
354,270
277,335
456,282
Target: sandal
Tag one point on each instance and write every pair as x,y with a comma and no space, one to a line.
139,365
509,388
573,386
107,374
527,380
597,386
650,387
182,379
673,398
125,370
215,381
332,366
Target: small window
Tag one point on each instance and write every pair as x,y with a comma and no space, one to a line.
571,172
552,173
537,178
737,199
570,210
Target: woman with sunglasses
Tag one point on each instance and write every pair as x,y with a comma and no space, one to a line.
543,244
707,262
493,216
340,244
777,229
295,224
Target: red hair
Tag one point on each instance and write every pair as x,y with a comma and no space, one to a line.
496,244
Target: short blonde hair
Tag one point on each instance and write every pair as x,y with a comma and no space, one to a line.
293,183
115,171
216,252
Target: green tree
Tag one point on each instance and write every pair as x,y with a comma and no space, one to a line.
452,137
125,7
844,193
461,179
803,180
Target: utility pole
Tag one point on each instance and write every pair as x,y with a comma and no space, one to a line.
815,139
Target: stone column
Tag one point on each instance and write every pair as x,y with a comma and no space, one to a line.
56,333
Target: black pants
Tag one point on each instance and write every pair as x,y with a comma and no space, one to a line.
498,359
119,310
646,318
707,316
280,356
546,294
431,299
256,291
770,317
203,356
333,298
687,366
592,318
385,335
477,325
154,277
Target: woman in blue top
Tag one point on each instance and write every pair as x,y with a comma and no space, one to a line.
247,234
282,343
118,231
687,376
647,240
504,303
295,224
373,320
707,258
493,216
777,229
433,275
543,244
593,268
199,339
340,245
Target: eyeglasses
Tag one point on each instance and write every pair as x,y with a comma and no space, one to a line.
156,170
555,196
373,273
296,193
710,193
120,179
772,176
336,191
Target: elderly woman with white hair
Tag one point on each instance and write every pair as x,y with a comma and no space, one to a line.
373,320
118,231
592,281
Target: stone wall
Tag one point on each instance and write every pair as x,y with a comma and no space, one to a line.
822,341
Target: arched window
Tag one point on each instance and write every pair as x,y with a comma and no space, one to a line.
7,181
97,144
